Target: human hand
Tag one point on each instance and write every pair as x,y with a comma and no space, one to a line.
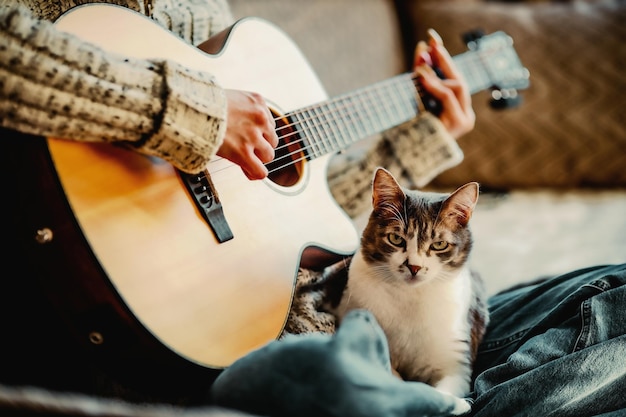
250,133
452,92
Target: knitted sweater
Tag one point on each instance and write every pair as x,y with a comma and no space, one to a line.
53,84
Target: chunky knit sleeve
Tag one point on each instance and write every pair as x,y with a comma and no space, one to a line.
415,152
54,84
195,21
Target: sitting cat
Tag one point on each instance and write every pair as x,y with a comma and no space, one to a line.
411,272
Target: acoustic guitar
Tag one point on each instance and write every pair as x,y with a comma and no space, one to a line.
207,263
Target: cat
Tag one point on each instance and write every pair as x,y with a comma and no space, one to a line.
411,272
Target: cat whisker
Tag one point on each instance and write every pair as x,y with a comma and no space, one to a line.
445,275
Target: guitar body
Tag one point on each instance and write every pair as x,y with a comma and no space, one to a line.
207,301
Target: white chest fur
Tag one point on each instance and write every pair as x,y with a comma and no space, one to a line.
425,323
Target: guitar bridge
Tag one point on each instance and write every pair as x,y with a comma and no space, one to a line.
204,195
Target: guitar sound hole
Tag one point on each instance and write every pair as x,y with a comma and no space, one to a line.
288,165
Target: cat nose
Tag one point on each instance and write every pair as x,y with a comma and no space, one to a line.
413,268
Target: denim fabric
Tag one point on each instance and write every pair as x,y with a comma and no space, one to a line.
556,348
347,374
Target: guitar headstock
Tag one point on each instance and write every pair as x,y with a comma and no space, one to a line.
498,67
490,64
500,61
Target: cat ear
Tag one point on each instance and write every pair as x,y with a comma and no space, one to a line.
385,188
459,205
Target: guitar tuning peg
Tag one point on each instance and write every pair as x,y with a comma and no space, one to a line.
505,98
470,38
429,103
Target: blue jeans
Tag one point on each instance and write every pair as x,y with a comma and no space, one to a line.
556,348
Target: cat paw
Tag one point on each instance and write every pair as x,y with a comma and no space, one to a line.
461,407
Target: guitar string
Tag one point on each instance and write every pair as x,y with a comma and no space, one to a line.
348,110
301,121
299,150
469,61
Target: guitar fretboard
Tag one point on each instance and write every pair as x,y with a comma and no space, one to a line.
335,124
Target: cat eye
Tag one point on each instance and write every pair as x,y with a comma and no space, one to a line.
441,245
395,239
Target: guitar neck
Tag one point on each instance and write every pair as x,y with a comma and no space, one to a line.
333,125
473,69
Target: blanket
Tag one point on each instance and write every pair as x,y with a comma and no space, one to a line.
345,374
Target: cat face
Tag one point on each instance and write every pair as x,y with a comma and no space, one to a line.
414,237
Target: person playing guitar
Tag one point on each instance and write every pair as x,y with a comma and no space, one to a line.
62,85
